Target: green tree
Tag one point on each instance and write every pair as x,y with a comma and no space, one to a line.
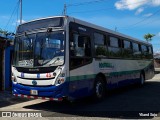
148,37
6,33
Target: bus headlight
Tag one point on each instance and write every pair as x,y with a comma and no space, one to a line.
60,79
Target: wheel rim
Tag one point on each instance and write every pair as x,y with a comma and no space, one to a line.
99,89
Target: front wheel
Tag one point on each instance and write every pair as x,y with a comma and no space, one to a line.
99,89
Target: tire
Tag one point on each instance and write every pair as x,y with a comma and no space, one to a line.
142,79
99,89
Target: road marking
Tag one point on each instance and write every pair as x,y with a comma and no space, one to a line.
21,105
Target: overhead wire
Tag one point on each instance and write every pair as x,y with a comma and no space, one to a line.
97,10
16,20
156,12
153,21
12,14
80,4
84,3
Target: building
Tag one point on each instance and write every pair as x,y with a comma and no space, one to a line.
6,49
157,62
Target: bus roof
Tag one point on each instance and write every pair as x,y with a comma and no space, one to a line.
42,19
95,27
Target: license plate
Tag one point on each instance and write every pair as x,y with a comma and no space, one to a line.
34,92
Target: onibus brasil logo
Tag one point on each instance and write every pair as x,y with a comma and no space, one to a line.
105,65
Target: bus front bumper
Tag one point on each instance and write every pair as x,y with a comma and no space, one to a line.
36,97
56,93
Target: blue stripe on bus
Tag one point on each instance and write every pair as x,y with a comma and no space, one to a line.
22,75
48,91
38,75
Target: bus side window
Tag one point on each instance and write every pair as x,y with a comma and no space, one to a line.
87,43
136,50
82,46
79,45
127,50
80,50
114,47
144,51
100,47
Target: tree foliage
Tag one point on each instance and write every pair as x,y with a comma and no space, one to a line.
6,33
148,37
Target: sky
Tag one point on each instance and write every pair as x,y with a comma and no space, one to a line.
131,17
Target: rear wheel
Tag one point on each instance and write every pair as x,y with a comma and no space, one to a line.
99,88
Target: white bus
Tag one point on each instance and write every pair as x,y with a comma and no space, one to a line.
63,57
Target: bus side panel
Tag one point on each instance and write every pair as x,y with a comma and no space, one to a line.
149,71
121,72
80,88
81,81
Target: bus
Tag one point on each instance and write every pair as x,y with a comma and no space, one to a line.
64,58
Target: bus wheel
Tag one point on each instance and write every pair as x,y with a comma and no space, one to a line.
142,79
99,89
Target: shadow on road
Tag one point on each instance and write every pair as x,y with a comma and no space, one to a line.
128,102
6,99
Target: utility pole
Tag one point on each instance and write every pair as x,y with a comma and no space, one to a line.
115,29
65,9
20,11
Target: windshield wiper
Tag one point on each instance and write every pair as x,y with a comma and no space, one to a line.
58,59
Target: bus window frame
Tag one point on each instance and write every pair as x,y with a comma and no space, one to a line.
72,31
119,46
130,48
104,44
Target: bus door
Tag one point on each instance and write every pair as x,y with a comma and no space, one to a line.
80,59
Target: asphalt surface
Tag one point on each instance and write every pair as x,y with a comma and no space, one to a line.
6,99
129,102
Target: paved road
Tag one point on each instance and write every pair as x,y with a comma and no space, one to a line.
122,103
6,99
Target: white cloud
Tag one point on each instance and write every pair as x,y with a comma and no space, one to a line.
148,14
137,5
129,4
134,4
140,10
156,2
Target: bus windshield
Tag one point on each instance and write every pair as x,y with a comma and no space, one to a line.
39,50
